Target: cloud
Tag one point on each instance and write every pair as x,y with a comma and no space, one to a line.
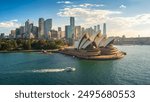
86,16
15,20
64,2
9,24
85,12
129,26
140,19
90,5
85,5
117,24
122,6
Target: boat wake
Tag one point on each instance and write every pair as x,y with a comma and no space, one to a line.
68,69
48,70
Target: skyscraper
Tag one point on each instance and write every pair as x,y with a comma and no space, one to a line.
13,34
70,31
27,28
22,31
98,28
35,31
2,35
54,34
104,29
77,32
31,27
47,27
72,21
59,28
95,30
41,28
67,31
69,35
18,33
59,33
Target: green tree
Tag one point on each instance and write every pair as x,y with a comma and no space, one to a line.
26,45
0,46
6,46
59,42
52,45
15,44
29,45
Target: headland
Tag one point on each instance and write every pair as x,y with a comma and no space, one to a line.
94,47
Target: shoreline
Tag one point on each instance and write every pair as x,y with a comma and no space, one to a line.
26,51
81,55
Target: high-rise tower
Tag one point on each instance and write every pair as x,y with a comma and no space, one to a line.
70,31
98,28
41,28
104,29
27,28
47,27
95,29
72,21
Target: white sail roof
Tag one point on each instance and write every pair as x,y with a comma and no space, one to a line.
108,41
98,40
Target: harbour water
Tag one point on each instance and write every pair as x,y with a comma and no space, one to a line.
48,69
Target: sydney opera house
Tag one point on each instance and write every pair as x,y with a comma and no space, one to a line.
95,46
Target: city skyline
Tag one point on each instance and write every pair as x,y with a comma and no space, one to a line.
130,17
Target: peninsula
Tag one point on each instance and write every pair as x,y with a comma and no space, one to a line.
94,47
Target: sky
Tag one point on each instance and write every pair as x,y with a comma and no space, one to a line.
123,17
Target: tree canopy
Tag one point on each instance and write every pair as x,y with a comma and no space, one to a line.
30,44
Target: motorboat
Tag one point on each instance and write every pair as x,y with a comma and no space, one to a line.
70,69
44,51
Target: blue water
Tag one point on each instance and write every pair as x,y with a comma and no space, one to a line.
47,69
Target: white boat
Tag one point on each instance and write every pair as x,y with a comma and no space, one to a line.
70,69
